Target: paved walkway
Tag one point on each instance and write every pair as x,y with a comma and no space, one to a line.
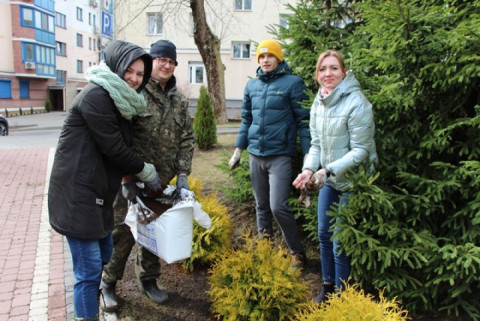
35,273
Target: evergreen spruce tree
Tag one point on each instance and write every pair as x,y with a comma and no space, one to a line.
204,125
314,27
413,229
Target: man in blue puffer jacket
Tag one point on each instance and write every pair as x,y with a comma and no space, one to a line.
272,117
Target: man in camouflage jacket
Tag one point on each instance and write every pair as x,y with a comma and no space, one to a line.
163,136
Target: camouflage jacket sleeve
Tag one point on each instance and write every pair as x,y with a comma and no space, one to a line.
163,134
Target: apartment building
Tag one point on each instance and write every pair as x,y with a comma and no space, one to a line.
79,42
239,24
47,46
27,40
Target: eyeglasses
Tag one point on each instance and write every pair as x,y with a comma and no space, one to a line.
167,62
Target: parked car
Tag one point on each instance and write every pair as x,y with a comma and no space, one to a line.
3,126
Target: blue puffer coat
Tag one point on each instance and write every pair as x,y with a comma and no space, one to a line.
272,115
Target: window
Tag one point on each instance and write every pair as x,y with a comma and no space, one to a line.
154,23
89,43
90,18
284,20
79,40
5,88
191,25
94,20
243,5
61,75
24,89
80,66
45,60
241,50
197,72
44,21
60,20
79,14
28,52
61,49
38,20
27,17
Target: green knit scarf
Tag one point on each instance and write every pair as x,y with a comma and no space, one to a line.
128,102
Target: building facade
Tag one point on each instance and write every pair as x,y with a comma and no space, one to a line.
48,45
79,44
239,24
27,66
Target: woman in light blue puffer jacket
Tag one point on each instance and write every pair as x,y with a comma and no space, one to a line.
342,130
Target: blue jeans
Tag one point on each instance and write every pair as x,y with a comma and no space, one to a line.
88,258
335,267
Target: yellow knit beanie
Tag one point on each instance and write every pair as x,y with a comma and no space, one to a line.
270,46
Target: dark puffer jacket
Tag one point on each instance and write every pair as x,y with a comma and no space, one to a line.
93,153
272,115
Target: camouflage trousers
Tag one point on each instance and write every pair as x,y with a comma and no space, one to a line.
147,264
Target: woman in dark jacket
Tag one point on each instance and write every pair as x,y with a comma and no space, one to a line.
93,153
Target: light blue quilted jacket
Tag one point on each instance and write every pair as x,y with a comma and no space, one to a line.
342,130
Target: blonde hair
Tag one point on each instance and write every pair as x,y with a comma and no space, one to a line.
328,53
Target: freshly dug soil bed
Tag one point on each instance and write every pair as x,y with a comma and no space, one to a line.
188,300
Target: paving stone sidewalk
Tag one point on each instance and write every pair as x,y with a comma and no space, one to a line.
35,269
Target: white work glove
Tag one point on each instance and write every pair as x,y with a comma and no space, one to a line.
235,160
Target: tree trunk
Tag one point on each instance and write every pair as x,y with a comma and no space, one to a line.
209,47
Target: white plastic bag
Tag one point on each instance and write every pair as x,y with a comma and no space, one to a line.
170,235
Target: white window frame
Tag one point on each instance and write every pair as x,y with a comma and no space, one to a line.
243,5
193,69
154,23
244,48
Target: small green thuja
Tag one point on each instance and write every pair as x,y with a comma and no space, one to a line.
48,106
354,304
256,282
204,125
209,244
241,191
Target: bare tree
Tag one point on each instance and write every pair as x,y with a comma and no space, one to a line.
209,47
208,44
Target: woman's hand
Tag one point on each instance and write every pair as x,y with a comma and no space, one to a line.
302,179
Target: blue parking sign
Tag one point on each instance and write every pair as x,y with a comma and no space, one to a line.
107,24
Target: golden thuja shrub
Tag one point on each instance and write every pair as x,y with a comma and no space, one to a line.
207,245
354,305
256,282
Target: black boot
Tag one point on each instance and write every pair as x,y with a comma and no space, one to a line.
150,288
108,298
327,288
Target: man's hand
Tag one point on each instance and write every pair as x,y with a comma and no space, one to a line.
130,191
181,183
235,160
